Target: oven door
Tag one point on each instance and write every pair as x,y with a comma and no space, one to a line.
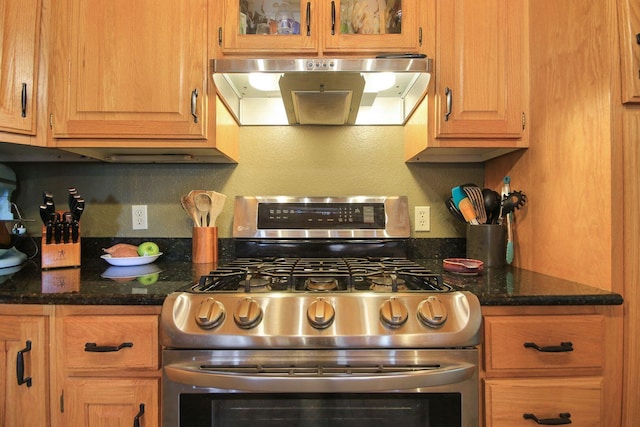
310,388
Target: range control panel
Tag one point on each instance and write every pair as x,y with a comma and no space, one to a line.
321,215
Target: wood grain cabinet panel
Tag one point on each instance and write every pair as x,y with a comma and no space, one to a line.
24,354
511,342
113,402
629,16
320,27
128,70
544,399
111,342
19,51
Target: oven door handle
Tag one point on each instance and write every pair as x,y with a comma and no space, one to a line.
327,383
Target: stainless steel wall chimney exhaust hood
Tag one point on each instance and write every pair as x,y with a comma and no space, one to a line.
307,91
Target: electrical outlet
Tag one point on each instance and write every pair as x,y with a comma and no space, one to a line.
422,218
139,217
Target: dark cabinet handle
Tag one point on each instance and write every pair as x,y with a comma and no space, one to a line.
24,100
564,418
563,347
638,38
136,420
308,19
94,348
449,95
20,366
333,18
194,98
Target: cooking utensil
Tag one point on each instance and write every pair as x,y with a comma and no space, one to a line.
492,204
506,189
512,201
474,193
454,210
464,205
190,208
217,203
203,205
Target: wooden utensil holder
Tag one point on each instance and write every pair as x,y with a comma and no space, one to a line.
204,246
56,255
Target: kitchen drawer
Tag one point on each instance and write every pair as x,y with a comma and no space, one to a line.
506,353
131,341
508,400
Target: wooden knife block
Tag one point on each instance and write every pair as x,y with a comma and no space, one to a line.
55,255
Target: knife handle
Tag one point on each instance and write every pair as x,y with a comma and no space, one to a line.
49,233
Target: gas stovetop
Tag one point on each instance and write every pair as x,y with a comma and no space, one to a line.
320,272
256,275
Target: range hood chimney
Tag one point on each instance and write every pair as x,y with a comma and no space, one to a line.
307,91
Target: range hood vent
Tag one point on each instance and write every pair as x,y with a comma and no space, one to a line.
378,91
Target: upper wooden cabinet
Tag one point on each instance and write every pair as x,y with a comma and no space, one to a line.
629,16
476,110
134,70
19,38
315,27
132,79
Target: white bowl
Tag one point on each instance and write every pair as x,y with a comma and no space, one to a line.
129,261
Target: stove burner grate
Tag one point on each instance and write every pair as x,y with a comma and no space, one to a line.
321,275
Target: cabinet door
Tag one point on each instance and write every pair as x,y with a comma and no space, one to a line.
123,69
507,402
93,402
479,69
371,25
19,38
270,26
629,15
23,341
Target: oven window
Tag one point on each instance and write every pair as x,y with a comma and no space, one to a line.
315,410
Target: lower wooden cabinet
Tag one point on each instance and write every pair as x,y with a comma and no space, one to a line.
107,366
24,366
115,402
551,365
578,400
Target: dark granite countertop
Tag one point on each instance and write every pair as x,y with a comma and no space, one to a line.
88,285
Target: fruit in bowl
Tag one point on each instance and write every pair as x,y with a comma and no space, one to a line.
124,254
125,250
148,249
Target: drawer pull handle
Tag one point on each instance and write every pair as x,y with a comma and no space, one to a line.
136,420
20,366
563,347
94,348
564,418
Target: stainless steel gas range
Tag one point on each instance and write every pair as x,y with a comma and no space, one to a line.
320,321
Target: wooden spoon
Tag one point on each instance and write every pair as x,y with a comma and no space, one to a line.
203,205
217,203
189,206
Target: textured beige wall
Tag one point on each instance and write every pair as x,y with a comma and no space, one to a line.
274,161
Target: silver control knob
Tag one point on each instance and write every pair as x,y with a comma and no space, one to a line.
393,313
321,313
210,313
248,313
432,312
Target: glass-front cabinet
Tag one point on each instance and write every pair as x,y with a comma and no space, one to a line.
314,26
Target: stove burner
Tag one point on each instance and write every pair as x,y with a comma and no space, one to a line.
387,283
259,284
321,284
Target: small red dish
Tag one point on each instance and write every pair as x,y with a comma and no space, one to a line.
463,266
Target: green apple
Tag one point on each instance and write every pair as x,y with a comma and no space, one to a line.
149,279
148,248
